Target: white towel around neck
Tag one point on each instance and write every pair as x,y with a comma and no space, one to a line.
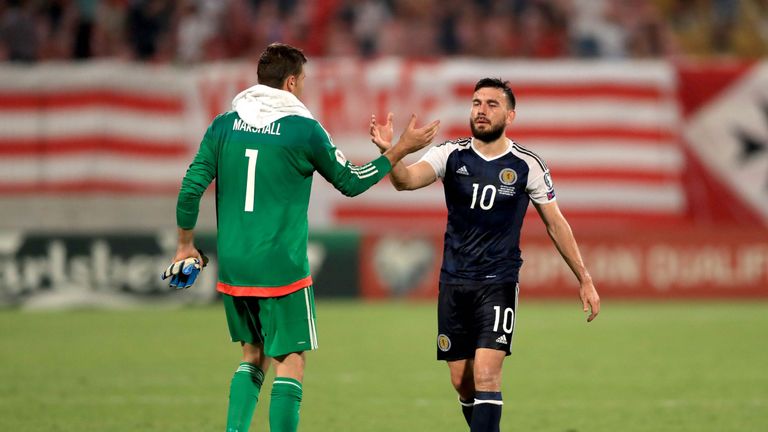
262,105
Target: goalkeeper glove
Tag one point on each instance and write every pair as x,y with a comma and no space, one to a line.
184,272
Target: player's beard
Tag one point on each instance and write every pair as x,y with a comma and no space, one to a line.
489,135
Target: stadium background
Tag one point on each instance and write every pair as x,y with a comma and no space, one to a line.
652,115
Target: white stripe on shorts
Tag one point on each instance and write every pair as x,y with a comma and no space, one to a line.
310,318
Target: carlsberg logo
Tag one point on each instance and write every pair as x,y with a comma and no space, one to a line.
87,264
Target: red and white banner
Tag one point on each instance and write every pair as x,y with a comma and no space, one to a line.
609,132
628,143
111,128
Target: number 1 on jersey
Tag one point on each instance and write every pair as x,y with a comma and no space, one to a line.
251,154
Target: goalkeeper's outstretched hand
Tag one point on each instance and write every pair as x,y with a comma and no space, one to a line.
184,272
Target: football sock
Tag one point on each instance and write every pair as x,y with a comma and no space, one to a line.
486,415
243,395
284,405
466,409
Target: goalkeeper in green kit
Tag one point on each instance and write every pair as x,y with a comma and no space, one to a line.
262,155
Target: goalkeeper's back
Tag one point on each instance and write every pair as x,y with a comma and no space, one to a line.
263,156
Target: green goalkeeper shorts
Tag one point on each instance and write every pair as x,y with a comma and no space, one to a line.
283,325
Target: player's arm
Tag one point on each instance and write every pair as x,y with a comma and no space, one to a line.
562,236
186,246
199,176
352,180
414,176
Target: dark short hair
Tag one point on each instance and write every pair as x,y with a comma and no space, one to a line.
278,62
499,84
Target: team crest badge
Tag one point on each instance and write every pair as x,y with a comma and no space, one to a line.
443,342
508,176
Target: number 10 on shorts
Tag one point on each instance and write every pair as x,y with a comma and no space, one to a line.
507,319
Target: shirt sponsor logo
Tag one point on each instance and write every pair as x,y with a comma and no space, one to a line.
508,176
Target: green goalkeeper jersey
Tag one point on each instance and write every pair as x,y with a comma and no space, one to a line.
263,183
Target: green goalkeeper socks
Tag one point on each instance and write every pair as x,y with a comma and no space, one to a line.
284,405
243,395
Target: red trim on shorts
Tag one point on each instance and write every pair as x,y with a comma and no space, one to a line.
260,291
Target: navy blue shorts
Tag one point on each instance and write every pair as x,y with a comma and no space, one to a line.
473,316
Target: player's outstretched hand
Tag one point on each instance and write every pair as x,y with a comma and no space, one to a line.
590,300
381,134
414,139
411,140
184,271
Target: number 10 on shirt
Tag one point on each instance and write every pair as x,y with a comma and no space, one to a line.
483,198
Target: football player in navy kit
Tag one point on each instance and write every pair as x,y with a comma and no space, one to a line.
488,181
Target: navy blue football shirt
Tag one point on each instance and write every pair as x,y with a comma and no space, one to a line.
486,200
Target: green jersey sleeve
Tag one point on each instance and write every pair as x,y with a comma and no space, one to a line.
346,177
200,174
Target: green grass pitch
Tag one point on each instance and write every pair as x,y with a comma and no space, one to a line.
641,366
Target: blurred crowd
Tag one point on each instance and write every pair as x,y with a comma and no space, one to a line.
195,31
